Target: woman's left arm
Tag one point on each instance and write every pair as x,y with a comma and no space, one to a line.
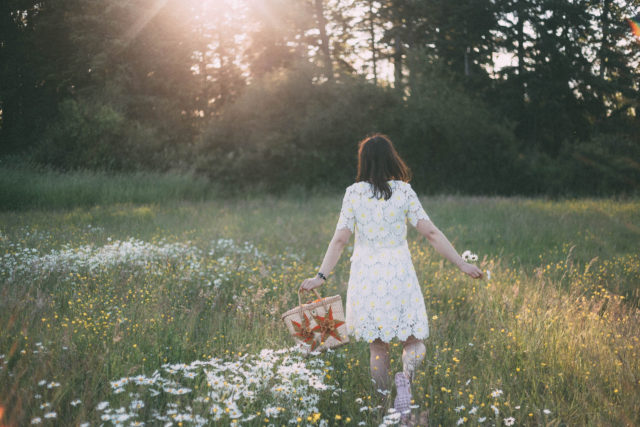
441,244
331,257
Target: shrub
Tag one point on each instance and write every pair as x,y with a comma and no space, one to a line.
97,135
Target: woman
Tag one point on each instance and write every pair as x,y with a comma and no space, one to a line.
384,299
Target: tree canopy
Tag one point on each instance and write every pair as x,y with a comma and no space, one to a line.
490,96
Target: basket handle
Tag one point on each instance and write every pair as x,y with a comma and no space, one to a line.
300,295
324,304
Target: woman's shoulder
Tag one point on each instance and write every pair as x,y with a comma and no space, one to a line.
358,187
403,185
364,187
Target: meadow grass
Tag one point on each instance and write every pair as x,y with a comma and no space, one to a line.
94,297
23,187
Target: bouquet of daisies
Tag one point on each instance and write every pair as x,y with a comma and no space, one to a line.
468,256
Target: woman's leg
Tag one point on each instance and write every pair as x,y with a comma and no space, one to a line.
413,352
379,364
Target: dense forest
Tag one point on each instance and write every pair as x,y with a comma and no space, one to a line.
480,96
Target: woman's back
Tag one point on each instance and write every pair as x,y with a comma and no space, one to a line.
380,223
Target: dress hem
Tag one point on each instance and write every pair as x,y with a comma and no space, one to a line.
361,338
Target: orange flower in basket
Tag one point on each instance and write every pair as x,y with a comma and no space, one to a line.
304,331
328,326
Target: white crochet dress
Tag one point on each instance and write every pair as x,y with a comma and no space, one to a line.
384,299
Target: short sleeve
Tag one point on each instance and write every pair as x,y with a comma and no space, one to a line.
347,214
415,211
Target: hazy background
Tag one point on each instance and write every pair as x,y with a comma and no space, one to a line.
481,97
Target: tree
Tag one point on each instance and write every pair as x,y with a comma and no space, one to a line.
278,34
324,39
461,31
218,54
33,49
616,60
514,34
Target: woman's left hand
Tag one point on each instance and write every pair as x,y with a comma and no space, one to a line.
471,270
312,283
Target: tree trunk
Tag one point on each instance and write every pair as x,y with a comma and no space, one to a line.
397,63
467,50
466,62
606,5
372,34
520,39
205,82
322,26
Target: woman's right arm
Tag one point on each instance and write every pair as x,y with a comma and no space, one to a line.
338,242
341,236
441,244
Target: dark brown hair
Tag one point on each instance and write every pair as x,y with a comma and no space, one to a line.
379,162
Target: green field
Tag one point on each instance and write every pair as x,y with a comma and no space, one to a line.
169,312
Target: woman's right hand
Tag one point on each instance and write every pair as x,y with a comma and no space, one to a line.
312,283
471,270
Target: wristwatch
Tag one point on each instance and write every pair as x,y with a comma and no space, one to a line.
322,276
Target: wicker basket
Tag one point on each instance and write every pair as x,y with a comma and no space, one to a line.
318,325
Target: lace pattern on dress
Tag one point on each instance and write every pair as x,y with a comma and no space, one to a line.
347,215
384,299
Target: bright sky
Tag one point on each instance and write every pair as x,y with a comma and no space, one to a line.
361,61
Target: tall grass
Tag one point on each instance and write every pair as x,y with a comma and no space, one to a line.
550,339
26,188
